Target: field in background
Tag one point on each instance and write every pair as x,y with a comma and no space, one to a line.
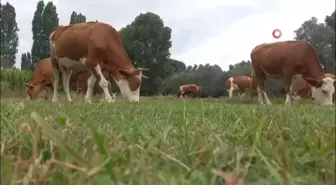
166,141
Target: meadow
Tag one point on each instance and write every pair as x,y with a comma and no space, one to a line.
166,141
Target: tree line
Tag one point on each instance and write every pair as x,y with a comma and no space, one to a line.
147,40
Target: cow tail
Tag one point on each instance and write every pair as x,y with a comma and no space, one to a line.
252,84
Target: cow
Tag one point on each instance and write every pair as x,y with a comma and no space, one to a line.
191,89
92,45
238,83
42,78
304,91
286,59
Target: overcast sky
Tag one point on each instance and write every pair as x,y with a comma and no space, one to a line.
219,32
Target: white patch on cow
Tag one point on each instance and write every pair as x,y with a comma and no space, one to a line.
323,95
72,64
131,96
233,87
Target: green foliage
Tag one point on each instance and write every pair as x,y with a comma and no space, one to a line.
9,35
15,78
77,18
166,141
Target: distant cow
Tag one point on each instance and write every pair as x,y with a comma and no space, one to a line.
92,45
304,90
42,79
285,59
189,89
238,83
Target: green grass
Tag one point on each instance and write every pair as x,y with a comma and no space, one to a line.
163,141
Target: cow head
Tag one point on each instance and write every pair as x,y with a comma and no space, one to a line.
130,84
323,92
32,91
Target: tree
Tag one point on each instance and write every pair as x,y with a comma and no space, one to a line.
25,61
29,59
330,20
319,36
9,35
77,18
147,42
36,50
44,22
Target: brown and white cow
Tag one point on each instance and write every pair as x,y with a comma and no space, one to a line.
238,83
92,45
192,89
304,91
42,78
285,59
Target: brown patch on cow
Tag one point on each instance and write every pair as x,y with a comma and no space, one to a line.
284,60
193,89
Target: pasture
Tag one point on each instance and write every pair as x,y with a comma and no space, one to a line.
166,141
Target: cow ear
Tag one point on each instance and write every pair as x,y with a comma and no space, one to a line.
28,85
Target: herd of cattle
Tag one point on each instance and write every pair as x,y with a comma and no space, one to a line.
92,52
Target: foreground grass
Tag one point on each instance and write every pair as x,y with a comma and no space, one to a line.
165,141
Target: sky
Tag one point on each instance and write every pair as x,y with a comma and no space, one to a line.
221,32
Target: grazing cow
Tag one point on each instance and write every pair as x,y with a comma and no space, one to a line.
238,83
93,45
193,89
304,91
41,78
286,59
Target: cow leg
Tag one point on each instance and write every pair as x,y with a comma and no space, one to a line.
242,94
56,77
230,92
66,81
268,101
103,83
261,91
181,95
103,96
90,85
288,85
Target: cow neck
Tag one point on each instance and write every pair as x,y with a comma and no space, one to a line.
120,60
